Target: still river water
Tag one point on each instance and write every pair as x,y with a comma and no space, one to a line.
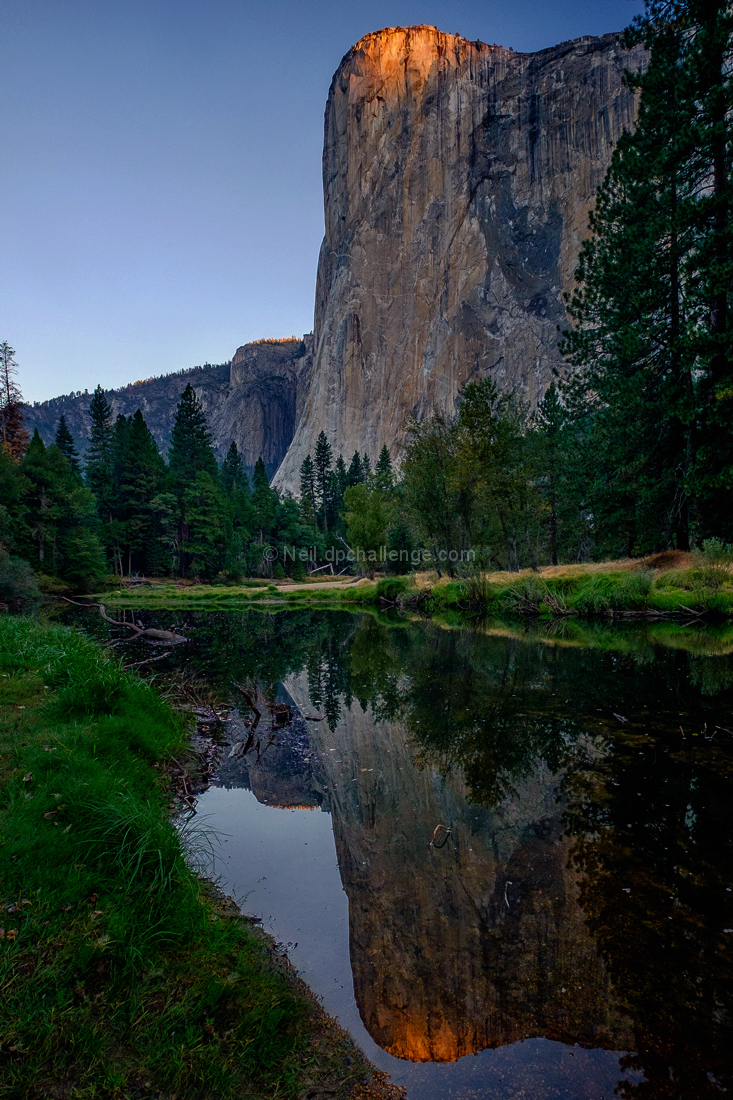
503,860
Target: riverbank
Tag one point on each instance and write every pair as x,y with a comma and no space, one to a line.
668,585
122,973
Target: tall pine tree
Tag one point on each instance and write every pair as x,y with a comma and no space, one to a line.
191,455
322,468
653,321
65,443
233,474
191,450
13,435
308,491
99,455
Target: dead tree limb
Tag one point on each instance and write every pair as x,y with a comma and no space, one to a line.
250,701
169,636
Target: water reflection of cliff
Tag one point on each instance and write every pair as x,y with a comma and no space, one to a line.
586,890
471,945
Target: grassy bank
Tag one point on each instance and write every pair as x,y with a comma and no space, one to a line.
671,584
121,974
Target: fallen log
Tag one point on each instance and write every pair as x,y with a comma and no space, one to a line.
150,633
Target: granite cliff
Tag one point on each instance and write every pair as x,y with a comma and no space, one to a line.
457,183
255,400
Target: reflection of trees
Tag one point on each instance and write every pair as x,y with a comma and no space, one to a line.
328,671
233,647
649,808
655,845
478,705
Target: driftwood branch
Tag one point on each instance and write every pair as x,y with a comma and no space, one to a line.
169,636
250,701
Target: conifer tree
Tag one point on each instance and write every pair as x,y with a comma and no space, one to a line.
191,453
322,468
367,468
204,542
308,491
355,472
338,486
264,500
233,473
99,455
383,473
141,478
191,448
59,517
65,443
554,443
13,435
238,521
652,309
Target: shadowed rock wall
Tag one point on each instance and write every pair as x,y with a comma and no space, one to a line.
457,183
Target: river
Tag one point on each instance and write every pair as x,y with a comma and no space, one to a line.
502,858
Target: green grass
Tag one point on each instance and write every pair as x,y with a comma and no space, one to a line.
121,975
592,594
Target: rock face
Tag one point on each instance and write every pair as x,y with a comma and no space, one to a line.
254,400
268,384
457,183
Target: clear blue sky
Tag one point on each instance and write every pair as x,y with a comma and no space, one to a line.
160,193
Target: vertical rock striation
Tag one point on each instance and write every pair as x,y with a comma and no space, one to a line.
457,183
268,381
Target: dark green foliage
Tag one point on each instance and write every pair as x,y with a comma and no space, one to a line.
470,485
13,434
58,518
383,473
18,585
321,472
558,476
191,450
65,443
653,320
99,456
141,477
366,467
203,531
369,516
264,501
308,491
233,474
338,483
193,479
355,474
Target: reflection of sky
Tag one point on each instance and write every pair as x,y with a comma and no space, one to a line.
281,865
161,202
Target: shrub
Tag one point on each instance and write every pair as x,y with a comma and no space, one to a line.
390,588
712,566
18,586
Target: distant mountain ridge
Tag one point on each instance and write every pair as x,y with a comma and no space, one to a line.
254,399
